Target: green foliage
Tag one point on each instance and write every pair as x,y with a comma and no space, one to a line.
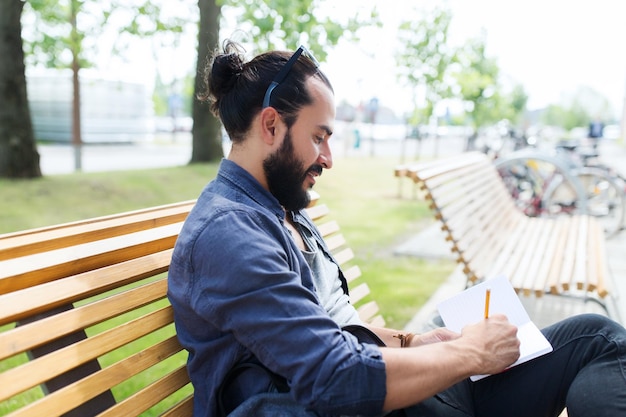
58,30
477,78
280,24
518,98
479,86
466,73
426,58
567,117
582,107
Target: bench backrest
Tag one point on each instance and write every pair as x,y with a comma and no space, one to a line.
491,236
473,206
85,325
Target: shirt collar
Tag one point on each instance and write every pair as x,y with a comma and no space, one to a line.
231,172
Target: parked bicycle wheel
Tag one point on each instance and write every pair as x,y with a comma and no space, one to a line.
525,183
605,197
528,175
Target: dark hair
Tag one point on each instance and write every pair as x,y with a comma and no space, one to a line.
235,88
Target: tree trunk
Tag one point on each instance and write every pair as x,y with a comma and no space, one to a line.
206,131
77,139
18,152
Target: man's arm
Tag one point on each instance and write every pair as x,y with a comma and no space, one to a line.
414,374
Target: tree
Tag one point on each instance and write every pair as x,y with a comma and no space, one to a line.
68,32
518,98
578,109
67,25
18,153
480,88
477,78
280,24
206,130
269,24
426,59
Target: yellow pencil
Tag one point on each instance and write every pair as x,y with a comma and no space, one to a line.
487,296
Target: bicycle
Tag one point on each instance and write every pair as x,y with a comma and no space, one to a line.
555,183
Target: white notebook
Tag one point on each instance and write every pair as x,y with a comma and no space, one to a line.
468,307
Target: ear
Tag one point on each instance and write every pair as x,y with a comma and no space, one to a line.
270,122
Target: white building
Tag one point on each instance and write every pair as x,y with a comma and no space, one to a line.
112,111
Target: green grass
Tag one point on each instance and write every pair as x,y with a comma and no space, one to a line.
361,193
62,198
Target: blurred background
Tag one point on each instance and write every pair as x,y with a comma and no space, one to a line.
486,72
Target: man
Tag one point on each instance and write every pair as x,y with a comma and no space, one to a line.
262,308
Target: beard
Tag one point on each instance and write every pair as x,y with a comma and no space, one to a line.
286,174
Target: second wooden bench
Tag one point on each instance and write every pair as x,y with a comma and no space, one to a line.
490,236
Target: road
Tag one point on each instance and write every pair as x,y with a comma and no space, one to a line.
175,151
59,158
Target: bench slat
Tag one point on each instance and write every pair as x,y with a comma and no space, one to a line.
183,408
328,228
600,266
29,336
554,272
149,396
352,273
483,247
15,245
74,394
335,242
367,311
534,281
359,292
28,301
37,269
318,211
39,370
344,256
422,172
525,251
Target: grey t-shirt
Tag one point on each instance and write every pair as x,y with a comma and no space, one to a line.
327,283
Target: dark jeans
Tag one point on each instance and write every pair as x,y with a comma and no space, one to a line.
586,372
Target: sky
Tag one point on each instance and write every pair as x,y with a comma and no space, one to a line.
551,47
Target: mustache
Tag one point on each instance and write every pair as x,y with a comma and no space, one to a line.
316,169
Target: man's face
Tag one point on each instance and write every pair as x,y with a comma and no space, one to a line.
286,176
291,170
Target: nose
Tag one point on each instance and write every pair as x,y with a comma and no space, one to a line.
325,157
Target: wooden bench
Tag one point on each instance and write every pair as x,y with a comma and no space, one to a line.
85,325
490,236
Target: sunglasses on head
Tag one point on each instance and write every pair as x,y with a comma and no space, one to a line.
282,74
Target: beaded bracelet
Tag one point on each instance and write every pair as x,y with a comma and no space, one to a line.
405,339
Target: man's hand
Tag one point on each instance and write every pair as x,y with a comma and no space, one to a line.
494,342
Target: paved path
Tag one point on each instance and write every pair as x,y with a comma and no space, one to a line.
167,151
59,158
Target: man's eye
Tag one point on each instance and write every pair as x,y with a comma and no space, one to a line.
319,139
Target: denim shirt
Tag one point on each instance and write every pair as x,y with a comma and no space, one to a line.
242,291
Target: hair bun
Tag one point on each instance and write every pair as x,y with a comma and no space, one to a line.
225,70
